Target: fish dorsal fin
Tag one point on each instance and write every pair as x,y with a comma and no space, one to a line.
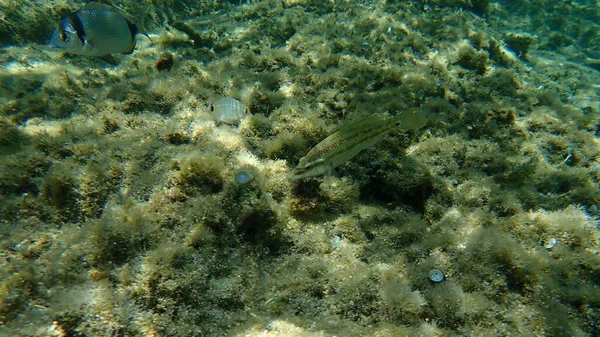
96,5
134,27
99,6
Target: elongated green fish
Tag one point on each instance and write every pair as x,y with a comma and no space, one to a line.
349,140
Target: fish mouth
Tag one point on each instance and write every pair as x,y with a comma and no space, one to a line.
306,172
298,173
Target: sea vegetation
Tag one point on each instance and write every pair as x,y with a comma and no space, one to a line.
120,213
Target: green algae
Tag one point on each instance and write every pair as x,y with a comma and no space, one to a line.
120,215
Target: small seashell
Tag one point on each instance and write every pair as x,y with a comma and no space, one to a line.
243,177
335,242
228,110
550,243
436,275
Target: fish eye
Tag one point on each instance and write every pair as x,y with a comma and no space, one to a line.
65,37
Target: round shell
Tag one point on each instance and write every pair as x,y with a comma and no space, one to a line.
436,275
243,177
228,110
550,243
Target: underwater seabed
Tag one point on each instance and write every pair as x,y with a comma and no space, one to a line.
126,209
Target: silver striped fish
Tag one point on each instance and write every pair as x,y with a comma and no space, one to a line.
228,110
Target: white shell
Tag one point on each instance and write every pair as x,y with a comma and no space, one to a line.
550,243
228,110
335,242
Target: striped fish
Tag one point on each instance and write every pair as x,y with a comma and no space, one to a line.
228,110
96,30
349,140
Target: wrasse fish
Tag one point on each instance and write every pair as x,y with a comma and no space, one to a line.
349,140
96,30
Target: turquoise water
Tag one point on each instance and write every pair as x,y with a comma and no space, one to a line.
120,213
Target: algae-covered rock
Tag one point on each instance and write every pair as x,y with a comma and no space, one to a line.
125,208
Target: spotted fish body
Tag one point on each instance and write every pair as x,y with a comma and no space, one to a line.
96,30
348,141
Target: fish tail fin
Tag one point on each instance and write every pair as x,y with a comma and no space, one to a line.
137,28
141,29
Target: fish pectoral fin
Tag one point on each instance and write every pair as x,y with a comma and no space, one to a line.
329,171
109,59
